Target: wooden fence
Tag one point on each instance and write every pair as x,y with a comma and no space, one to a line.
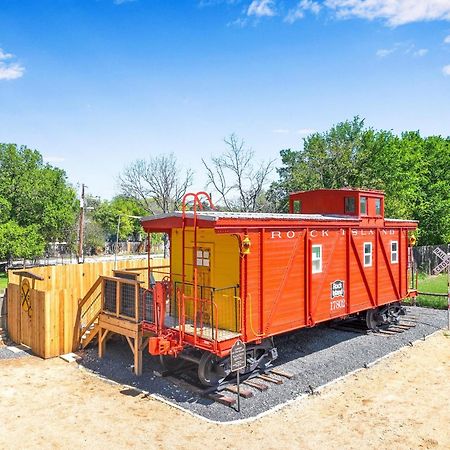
46,319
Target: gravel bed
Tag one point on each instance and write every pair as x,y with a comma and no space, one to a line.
315,356
12,352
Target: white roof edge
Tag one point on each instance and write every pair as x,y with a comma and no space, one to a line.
400,220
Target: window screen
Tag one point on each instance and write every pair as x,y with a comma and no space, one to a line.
297,206
349,205
378,206
363,205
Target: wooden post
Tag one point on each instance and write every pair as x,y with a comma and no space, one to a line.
101,341
138,354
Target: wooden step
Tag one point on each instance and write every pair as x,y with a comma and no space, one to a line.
89,336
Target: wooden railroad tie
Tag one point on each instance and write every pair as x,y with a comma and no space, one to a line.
243,392
256,385
223,399
282,373
270,379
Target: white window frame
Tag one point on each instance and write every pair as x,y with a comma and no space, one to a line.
369,264
394,253
319,270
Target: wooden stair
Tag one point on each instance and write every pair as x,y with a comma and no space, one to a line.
89,334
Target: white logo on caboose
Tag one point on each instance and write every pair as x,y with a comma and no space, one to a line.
337,289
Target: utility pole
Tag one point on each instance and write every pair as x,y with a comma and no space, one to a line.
81,227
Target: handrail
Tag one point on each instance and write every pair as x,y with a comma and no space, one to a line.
90,292
94,317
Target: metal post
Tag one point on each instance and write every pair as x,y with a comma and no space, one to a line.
238,393
117,242
448,289
81,227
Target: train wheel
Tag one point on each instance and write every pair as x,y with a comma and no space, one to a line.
384,316
213,370
170,363
373,320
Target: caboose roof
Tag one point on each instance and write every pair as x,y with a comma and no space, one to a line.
239,220
235,220
344,189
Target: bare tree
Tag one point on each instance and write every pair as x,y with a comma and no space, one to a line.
158,184
233,175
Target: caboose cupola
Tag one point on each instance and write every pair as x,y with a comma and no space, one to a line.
349,202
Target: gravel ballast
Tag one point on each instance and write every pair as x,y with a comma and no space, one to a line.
315,356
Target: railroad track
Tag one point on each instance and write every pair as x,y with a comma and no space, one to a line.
226,393
252,384
356,326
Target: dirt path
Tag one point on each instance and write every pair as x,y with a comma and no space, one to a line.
400,403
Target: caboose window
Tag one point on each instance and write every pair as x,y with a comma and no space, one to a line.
378,206
297,206
367,254
349,205
394,252
363,205
203,257
316,258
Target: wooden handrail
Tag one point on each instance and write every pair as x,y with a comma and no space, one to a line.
89,292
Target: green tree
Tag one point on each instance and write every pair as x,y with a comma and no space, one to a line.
37,193
410,169
20,242
36,197
108,212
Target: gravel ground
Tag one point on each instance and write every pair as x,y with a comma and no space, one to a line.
315,356
12,352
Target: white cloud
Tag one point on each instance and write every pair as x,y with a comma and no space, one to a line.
447,39
394,12
280,131
446,70
405,48
4,55
298,12
240,22
11,71
306,131
421,52
261,8
383,52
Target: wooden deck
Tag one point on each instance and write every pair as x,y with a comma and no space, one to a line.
136,338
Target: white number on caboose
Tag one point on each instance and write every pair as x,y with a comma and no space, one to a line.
337,304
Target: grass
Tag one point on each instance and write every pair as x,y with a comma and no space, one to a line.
436,284
3,280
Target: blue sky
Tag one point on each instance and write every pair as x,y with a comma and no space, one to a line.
96,84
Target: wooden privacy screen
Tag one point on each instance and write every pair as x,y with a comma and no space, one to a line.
47,322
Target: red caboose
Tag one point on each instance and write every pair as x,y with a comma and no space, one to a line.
255,275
